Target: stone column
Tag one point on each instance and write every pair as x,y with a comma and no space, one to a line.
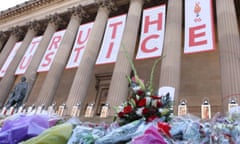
31,73
52,80
3,37
83,75
229,44
171,62
118,90
16,33
9,78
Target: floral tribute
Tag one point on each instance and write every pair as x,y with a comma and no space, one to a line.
143,103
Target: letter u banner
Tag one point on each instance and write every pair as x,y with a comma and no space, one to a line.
199,26
28,56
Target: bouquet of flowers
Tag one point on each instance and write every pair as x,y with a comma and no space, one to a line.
143,103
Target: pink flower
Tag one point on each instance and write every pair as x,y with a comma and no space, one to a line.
135,79
151,135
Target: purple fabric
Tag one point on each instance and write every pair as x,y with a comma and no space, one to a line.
22,128
151,135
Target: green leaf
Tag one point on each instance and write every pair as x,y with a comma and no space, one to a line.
150,84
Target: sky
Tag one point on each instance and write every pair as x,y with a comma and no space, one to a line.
5,4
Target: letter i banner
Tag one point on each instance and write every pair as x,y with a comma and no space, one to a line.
9,59
112,40
152,32
51,51
199,26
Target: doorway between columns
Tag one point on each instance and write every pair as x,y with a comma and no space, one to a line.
102,86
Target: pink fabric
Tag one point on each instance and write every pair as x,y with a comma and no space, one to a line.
150,136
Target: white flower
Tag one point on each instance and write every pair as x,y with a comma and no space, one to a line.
148,101
120,108
154,103
136,88
139,111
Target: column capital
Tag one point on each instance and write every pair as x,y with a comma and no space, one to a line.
34,25
78,11
17,31
3,35
56,19
110,4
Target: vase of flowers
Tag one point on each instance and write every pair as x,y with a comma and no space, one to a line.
143,103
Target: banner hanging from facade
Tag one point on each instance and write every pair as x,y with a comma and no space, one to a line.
199,26
10,58
112,40
27,58
51,51
152,33
79,45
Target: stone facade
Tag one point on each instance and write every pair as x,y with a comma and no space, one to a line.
195,76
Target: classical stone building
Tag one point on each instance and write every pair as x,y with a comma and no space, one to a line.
214,74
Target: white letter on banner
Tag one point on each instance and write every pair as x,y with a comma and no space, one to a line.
152,33
51,51
79,45
112,40
10,58
199,28
27,58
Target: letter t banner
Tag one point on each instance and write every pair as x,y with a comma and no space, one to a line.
79,45
112,40
199,26
29,54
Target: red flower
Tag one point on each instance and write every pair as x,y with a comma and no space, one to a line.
142,102
164,128
140,92
120,114
151,118
127,109
155,97
159,103
145,111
